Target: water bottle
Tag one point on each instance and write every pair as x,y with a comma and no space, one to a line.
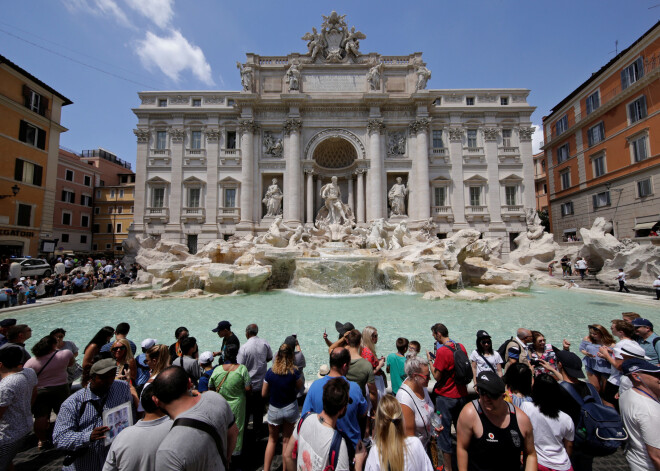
436,423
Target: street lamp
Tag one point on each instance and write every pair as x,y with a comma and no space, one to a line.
14,189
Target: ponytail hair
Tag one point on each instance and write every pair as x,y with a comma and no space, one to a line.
389,434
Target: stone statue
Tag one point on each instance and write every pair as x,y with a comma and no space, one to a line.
297,236
423,76
373,77
377,238
273,199
332,196
351,43
396,143
400,231
246,76
535,228
335,42
315,44
428,230
397,197
293,77
273,145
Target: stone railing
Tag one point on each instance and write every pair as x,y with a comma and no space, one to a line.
157,214
441,210
235,153
512,208
439,151
197,213
473,150
196,152
277,60
476,209
160,152
395,60
229,213
508,150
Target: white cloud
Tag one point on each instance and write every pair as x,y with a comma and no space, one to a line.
158,11
172,55
537,138
102,8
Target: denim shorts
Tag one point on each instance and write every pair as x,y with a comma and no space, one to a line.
278,415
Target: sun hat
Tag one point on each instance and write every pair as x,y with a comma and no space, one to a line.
323,371
630,348
206,358
343,328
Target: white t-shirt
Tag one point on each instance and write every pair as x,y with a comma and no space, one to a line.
415,457
639,414
422,408
621,276
314,446
549,435
493,360
656,283
581,264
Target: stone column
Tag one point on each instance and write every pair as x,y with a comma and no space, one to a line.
247,129
292,176
212,196
351,198
421,209
177,196
360,195
525,135
494,188
376,188
309,207
457,188
141,194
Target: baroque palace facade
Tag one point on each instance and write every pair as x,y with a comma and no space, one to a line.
206,160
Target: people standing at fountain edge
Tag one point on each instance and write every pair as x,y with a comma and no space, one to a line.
5,324
630,316
341,329
369,341
565,266
451,396
92,349
204,432
188,360
621,278
517,350
121,332
415,401
598,369
136,446
141,362
551,267
360,370
79,427
518,380
640,408
175,349
206,363
484,357
298,359
353,421
647,339
18,335
396,363
492,433
228,338
255,355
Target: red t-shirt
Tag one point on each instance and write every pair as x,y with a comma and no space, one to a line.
444,362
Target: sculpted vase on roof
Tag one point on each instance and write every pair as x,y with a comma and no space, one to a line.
336,42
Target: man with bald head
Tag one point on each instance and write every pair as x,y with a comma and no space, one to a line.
517,350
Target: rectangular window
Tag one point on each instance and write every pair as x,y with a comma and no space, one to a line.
65,237
84,220
632,73
119,228
87,180
644,188
95,247
68,175
567,208
562,125
196,140
475,196
112,193
120,209
96,228
601,199
32,135
437,139
563,153
197,102
192,243
162,103
108,228
596,134
161,140
97,210
86,200
472,138
66,219
637,109
111,209
121,193
83,239
506,137
565,180
504,101
33,101
511,193
440,194
108,246
98,194
639,148
230,197
194,197
593,102
599,166
158,197
24,215
27,172
469,101
68,196
231,139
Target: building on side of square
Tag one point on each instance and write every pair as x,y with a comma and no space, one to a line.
207,159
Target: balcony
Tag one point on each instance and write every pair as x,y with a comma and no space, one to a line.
195,153
156,214
474,154
193,214
230,156
473,213
228,214
194,158
510,212
442,212
508,153
159,152
440,153
159,162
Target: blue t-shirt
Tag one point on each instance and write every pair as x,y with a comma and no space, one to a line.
203,383
143,372
357,407
282,388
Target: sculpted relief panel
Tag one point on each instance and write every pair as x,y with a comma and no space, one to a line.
334,83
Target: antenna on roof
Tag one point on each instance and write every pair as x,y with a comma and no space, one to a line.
616,47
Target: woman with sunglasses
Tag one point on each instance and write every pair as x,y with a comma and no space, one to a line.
415,400
126,367
598,368
484,358
369,341
541,351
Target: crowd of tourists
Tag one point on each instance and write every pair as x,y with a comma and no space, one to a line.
534,406
69,276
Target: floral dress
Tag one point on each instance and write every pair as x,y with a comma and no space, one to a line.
548,355
368,355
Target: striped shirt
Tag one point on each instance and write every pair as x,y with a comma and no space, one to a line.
72,430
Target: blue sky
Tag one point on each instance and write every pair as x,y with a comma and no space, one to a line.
116,48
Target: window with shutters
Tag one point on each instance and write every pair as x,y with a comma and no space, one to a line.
86,200
644,188
87,180
601,199
639,147
27,172
34,101
32,135
109,228
596,134
84,220
97,211
119,228
83,239
561,125
565,179
24,217
563,153
65,237
632,73
599,165
68,175
567,208
637,109
68,196
66,218
593,102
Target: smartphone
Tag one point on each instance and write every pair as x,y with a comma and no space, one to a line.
534,362
432,355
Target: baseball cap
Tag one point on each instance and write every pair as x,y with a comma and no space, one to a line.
206,358
222,325
630,348
103,366
7,322
482,334
490,382
22,278
571,363
641,322
343,328
637,365
291,341
148,343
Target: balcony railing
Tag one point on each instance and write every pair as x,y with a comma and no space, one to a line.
229,213
476,209
508,150
236,153
473,150
157,214
196,152
439,151
442,210
197,213
160,152
512,208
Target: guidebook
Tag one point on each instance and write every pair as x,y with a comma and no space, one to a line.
118,418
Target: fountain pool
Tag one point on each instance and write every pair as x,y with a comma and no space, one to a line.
558,313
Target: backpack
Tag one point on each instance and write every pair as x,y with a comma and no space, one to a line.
599,430
462,366
502,349
335,445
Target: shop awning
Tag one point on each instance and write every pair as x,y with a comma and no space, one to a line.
644,225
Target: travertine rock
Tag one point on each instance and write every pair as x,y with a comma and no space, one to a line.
482,271
599,244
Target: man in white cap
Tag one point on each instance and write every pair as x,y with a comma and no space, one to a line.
656,286
141,362
206,362
640,409
625,349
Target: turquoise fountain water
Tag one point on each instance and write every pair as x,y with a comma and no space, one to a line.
558,313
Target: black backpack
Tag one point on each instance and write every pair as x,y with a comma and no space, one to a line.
462,366
502,349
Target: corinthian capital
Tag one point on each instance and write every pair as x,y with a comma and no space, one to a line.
292,125
375,126
177,134
490,134
525,133
247,125
455,134
141,134
419,125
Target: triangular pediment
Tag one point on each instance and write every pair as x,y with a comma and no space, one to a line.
228,180
158,180
193,181
476,179
512,178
